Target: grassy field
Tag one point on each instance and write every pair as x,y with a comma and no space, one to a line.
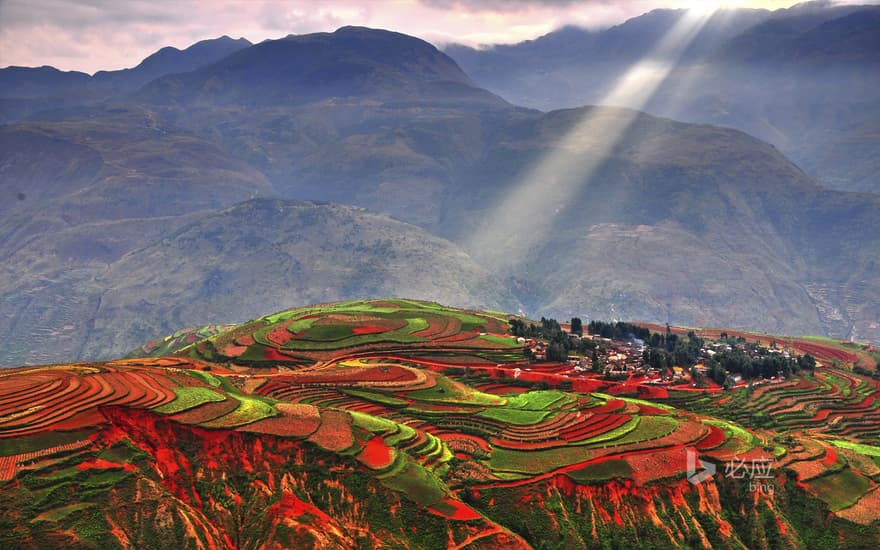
376,397
516,417
869,450
250,409
449,391
603,471
841,489
36,442
189,397
537,462
538,400
416,483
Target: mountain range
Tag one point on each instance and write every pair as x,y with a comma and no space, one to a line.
136,212
803,78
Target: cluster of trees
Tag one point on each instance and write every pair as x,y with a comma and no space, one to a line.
868,372
616,331
559,343
766,365
667,350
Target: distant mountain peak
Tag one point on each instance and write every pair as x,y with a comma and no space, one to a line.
349,62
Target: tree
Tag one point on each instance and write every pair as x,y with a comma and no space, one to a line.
807,362
557,352
598,364
517,327
577,326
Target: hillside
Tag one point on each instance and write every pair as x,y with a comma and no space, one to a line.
238,263
685,222
233,264
363,424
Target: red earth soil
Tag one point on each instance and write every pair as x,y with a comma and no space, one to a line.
291,507
272,354
101,464
528,446
376,454
647,409
611,405
479,441
825,352
368,329
462,512
652,392
715,438
830,456
659,464
285,426
279,336
384,373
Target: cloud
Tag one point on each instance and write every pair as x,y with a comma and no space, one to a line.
84,15
495,5
295,19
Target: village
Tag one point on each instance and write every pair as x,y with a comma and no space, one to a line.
631,359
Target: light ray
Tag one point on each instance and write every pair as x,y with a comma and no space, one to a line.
524,216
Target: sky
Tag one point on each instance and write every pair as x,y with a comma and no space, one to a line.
91,35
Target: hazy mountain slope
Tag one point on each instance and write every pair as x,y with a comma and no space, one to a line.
115,165
236,263
697,223
804,79
31,82
739,236
735,199
255,257
79,194
155,176
571,66
361,116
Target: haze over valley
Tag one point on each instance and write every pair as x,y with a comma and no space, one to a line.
592,211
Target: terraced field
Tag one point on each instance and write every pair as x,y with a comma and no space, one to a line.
382,393
319,333
833,401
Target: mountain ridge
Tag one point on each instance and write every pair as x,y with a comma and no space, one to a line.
365,63
27,90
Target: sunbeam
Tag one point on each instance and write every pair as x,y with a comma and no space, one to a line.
522,219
